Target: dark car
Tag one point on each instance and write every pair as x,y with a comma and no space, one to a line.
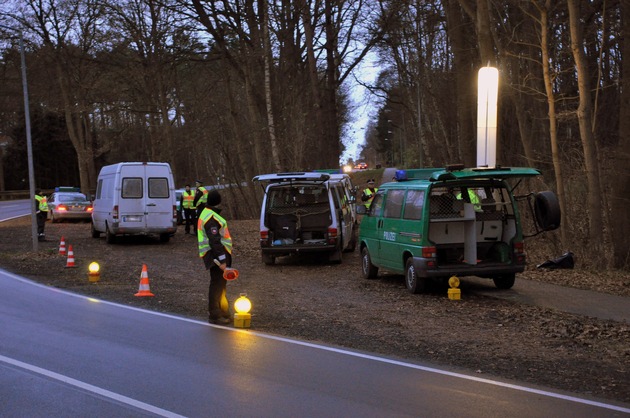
361,166
67,203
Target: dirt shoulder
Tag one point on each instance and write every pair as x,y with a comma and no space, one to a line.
331,304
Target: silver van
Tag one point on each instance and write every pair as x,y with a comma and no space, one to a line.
135,198
307,212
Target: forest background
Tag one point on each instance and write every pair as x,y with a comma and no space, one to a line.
225,90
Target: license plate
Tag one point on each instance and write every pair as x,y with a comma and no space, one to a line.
132,218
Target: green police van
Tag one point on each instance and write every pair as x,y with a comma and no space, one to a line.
441,222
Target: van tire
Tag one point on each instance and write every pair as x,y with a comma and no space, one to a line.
414,283
269,260
165,237
335,256
95,233
505,281
352,245
368,270
547,210
109,237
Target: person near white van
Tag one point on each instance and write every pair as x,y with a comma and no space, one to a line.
201,196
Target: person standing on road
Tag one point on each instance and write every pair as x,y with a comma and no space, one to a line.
41,212
187,204
201,196
215,243
369,193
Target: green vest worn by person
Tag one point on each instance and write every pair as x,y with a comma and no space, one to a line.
43,203
369,193
474,199
204,198
202,237
188,199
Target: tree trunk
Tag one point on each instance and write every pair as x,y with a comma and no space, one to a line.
275,156
620,200
586,130
553,124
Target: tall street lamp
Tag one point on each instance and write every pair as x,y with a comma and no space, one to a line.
29,146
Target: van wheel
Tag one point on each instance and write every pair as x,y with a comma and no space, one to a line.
109,237
335,256
369,270
352,245
95,233
165,237
547,210
505,281
268,259
414,283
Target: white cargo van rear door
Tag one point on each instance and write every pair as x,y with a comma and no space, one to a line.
145,201
160,197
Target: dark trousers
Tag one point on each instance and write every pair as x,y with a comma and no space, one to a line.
41,222
218,306
191,219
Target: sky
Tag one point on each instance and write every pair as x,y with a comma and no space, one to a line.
363,104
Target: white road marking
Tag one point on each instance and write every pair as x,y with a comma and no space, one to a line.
90,388
345,352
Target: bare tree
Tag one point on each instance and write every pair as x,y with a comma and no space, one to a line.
584,115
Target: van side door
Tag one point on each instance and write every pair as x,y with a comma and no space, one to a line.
391,254
370,229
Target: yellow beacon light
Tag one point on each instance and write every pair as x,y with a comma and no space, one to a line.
454,293
242,317
94,273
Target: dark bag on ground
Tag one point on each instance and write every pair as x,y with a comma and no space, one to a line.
565,261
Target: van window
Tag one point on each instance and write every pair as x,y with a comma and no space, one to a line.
414,205
131,188
158,187
393,204
377,205
99,187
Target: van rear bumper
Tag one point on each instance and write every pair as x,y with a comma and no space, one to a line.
481,270
279,250
142,231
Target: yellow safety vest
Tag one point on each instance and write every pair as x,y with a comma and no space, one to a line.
202,237
204,198
370,194
188,200
43,203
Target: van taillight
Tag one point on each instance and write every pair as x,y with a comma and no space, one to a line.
429,252
264,238
519,252
332,236
174,212
115,213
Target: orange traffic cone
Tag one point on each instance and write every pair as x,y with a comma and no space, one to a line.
70,262
62,246
144,283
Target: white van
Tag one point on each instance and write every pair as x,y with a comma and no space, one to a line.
135,198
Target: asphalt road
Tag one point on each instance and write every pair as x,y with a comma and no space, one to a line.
68,355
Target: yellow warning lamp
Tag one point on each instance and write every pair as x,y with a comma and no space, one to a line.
242,317
94,272
454,293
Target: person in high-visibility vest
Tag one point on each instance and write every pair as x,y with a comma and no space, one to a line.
201,197
215,243
369,193
41,212
187,203
474,199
